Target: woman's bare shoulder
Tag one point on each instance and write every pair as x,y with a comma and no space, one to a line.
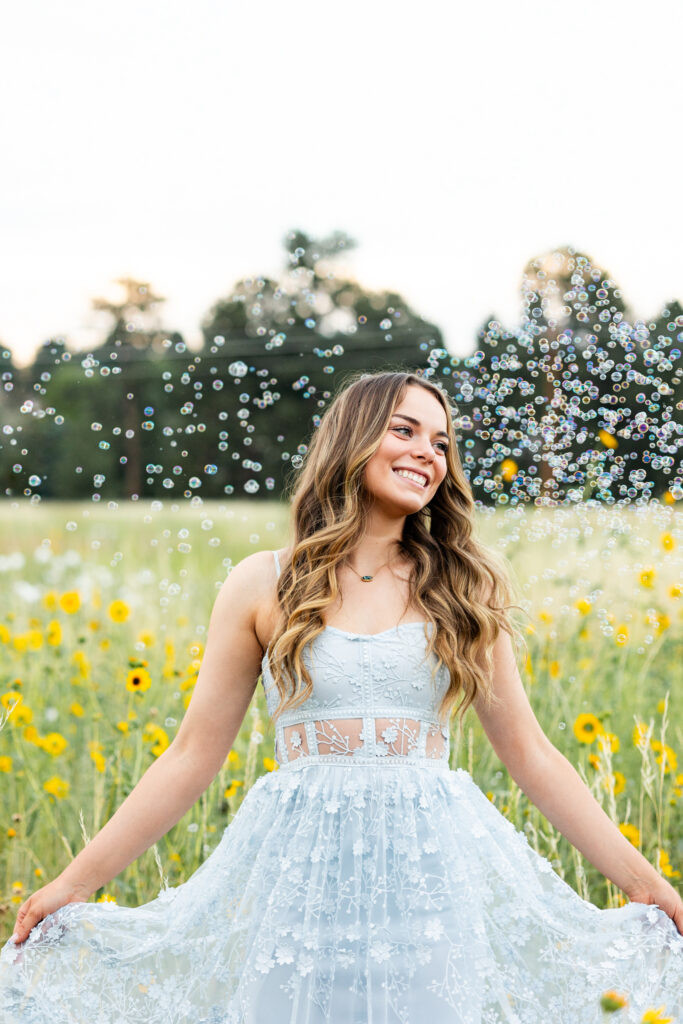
256,576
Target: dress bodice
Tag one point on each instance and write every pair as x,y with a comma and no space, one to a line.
374,696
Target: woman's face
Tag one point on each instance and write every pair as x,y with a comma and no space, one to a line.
416,440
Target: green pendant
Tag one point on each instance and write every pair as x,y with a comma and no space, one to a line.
366,579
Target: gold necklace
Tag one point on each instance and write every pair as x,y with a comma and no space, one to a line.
367,579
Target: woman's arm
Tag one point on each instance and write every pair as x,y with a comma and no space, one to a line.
555,787
225,685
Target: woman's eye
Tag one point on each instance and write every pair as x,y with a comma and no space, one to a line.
442,444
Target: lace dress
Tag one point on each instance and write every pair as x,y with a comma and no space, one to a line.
363,882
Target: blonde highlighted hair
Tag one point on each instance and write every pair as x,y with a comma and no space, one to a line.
459,585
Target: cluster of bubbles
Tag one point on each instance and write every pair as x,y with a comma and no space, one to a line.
576,404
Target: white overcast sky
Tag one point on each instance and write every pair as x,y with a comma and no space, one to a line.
179,141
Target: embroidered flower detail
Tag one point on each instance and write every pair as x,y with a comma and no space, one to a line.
305,964
380,951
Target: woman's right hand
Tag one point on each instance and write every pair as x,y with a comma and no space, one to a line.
45,901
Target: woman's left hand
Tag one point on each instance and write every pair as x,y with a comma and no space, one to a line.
664,895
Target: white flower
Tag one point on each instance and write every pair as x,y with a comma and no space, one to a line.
284,955
434,929
305,964
358,848
390,735
295,739
332,806
380,951
431,846
263,962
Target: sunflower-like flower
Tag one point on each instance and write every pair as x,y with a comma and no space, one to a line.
586,727
118,611
70,602
138,680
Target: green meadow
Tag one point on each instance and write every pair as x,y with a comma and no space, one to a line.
103,619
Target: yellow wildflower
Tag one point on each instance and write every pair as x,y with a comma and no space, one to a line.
621,634
11,833
545,616
615,783
668,541
631,832
269,764
5,635
587,727
56,787
609,739
34,639
21,715
54,633
118,611
666,756
232,788
609,440
54,743
105,898
5,764
509,469
50,600
138,680
612,1001
675,591
233,758
76,709
157,735
122,727
665,865
646,577
70,602
99,760
653,1016
583,606
31,735
554,669
663,622
10,698
640,734
594,760
147,638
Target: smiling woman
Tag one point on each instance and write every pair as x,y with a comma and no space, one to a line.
345,885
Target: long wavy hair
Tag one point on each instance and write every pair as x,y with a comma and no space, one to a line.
459,585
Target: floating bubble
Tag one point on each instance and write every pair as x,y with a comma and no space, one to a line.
34,480
210,469
95,426
238,369
251,486
194,481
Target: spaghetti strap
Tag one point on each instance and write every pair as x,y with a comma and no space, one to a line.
277,563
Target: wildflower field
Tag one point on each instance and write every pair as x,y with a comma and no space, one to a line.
103,619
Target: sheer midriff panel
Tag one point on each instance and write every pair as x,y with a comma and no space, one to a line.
398,737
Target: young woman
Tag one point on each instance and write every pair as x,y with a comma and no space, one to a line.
363,881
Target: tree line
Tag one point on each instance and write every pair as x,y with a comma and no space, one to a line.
578,401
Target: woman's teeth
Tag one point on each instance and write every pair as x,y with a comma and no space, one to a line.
415,477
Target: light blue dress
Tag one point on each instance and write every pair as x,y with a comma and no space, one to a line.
363,882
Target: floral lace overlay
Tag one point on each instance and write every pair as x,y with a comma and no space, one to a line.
364,882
